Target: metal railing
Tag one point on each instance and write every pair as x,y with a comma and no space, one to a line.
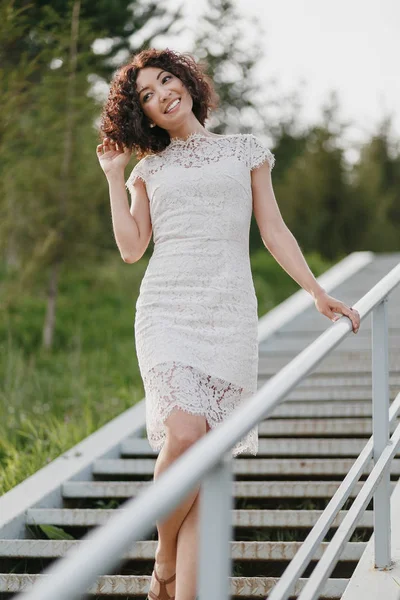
209,463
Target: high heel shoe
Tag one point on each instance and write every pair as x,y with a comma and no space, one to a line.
163,588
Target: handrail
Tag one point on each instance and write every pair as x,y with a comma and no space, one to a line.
300,561
209,459
327,563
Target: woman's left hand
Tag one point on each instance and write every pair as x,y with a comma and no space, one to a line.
328,306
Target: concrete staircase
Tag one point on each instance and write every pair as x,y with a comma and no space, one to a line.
305,450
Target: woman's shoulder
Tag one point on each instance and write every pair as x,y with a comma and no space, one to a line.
145,167
251,149
246,140
139,171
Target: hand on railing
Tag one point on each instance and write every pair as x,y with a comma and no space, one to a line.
328,306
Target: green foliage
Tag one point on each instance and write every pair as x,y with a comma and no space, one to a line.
313,194
53,194
50,401
376,199
329,206
55,533
106,504
115,21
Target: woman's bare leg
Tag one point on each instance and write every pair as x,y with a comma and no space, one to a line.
187,555
187,551
165,555
183,430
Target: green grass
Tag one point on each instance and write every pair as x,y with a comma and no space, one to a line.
51,400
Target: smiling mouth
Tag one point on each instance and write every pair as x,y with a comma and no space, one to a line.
174,105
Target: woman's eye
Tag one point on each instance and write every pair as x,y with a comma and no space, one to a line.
163,79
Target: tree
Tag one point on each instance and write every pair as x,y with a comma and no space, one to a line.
53,203
15,86
314,192
49,220
376,192
111,21
231,59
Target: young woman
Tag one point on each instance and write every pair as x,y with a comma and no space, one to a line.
196,314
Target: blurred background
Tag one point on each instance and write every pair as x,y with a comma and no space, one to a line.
317,82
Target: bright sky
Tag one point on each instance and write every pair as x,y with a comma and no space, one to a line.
351,46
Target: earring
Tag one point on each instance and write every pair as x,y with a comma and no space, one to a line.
152,124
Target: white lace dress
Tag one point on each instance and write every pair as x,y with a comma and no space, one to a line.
196,315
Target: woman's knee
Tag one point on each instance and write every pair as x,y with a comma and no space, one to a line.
184,430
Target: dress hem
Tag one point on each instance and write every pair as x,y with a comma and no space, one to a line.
156,445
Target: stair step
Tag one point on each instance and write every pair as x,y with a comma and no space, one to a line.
90,517
335,393
134,585
145,550
315,427
343,363
272,447
327,382
307,410
241,489
243,466
293,344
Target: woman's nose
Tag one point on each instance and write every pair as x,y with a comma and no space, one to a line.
164,96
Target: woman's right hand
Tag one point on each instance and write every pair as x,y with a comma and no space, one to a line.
112,157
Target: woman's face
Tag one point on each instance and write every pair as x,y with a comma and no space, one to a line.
157,89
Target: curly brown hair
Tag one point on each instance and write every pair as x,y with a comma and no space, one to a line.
123,119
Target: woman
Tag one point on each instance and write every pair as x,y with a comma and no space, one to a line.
196,314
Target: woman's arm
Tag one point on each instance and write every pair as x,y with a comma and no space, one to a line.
126,230
283,246
132,228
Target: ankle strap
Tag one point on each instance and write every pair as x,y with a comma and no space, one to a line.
163,580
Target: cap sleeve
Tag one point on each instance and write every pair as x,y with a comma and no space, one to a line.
259,154
138,172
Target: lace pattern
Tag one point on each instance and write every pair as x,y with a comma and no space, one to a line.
245,148
196,322
260,154
172,385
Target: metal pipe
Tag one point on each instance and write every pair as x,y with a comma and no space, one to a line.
216,504
380,429
285,586
327,563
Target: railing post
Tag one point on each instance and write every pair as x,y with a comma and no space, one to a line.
380,414
215,529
